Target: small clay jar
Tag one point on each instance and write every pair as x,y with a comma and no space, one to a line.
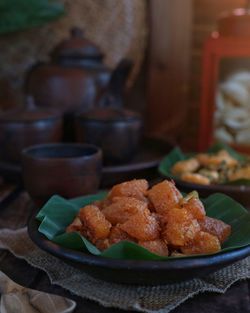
116,131
26,126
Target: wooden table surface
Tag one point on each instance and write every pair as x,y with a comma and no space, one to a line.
14,215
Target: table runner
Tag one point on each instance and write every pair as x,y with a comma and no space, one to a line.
160,299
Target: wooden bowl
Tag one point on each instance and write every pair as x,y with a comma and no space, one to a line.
69,170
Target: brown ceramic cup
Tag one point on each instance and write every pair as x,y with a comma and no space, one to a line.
69,170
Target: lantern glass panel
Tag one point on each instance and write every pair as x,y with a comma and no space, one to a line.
232,102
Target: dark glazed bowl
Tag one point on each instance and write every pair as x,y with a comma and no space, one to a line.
117,132
137,272
69,170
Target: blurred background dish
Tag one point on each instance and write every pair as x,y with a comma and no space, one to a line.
189,174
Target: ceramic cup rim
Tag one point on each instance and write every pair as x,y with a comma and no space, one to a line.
28,152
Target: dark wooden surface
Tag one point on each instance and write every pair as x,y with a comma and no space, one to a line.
14,215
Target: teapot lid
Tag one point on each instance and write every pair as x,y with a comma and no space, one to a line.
77,46
108,114
28,113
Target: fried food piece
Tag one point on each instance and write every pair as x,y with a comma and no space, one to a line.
185,166
95,225
75,226
157,246
217,160
241,173
181,228
195,178
216,227
203,243
102,244
117,234
164,196
102,204
212,175
136,188
195,207
122,208
177,254
142,226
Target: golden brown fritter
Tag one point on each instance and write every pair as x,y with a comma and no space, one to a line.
102,244
142,226
157,246
203,243
195,207
164,196
181,227
95,225
159,219
102,204
195,178
214,161
123,208
136,188
117,234
216,227
75,226
185,166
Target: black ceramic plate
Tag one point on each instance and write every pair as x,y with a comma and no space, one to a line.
133,271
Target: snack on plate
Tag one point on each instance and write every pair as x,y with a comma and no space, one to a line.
159,219
206,169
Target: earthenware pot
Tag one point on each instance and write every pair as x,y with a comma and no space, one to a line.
116,131
26,126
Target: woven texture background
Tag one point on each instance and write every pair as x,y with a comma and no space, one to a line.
119,28
161,299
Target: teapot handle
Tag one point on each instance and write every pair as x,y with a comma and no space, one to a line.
114,94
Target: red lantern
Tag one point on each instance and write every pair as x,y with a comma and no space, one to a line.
225,98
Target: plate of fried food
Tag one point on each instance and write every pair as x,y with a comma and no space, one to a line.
220,169
136,234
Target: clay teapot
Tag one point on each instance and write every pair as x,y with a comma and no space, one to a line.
74,77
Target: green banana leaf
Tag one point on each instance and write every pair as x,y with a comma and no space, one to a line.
17,15
58,213
178,155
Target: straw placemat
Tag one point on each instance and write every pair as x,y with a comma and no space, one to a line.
161,299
